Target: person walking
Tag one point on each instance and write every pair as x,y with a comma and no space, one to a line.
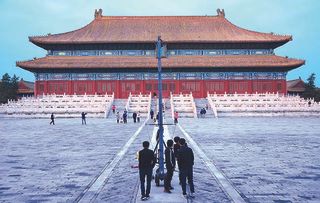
138,117
134,116
147,161
176,116
185,164
151,114
52,119
118,116
201,113
83,116
125,116
113,108
170,165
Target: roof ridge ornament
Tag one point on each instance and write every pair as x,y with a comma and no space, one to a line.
221,12
98,13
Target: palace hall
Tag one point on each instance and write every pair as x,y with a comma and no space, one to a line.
117,54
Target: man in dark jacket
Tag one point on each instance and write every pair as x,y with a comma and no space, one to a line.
151,114
185,164
147,161
52,119
170,165
83,116
176,145
134,116
125,116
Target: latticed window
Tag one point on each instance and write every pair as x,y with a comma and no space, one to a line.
41,87
148,87
172,87
279,87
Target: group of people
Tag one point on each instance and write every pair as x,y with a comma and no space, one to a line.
175,152
156,118
124,118
83,118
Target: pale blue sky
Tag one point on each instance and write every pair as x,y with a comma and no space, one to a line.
23,18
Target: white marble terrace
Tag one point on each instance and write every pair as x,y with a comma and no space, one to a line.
60,105
261,103
100,105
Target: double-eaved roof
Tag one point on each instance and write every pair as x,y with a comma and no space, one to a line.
173,30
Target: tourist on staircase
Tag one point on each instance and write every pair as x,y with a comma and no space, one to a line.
113,108
176,116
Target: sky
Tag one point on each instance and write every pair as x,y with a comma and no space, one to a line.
23,18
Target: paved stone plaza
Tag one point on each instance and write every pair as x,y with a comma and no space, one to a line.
264,159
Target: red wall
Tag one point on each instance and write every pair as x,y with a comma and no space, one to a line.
199,88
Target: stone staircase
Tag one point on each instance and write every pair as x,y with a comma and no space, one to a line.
184,104
138,103
203,103
120,106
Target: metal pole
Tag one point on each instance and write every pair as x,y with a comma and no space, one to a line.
161,158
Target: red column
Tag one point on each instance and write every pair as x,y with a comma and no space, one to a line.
250,88
46,91
226,86
35,87
285,90
117,90
202,89
177,84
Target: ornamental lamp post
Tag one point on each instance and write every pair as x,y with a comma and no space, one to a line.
160,49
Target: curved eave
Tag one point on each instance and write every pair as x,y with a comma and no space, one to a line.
173,29
128,62
47,45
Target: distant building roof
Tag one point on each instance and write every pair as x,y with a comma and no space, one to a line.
296,85
25,87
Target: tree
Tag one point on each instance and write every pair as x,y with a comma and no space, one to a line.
311,81
14,86
311,91
8,87
5,88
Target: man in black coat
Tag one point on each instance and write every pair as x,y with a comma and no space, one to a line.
134,116
170,165
185,164
147,161
52,119
176,145
151,114
125,116
83,116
